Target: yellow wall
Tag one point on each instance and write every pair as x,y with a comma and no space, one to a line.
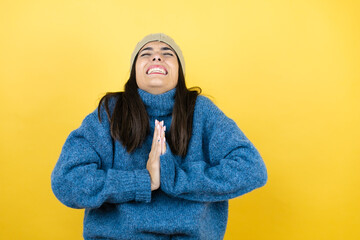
286,71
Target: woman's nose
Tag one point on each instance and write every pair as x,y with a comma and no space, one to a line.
156,57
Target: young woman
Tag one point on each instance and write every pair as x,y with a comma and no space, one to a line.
157,161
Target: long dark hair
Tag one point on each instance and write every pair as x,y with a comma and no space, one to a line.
129,123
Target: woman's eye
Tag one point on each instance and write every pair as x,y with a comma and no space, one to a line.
168,54
145,54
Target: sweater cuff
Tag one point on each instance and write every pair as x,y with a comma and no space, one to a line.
167,171
120,185
143,186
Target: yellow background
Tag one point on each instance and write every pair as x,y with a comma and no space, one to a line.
286,71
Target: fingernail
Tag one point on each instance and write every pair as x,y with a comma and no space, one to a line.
156,122
162,123
164,128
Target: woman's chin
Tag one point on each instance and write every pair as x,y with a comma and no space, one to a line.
156,82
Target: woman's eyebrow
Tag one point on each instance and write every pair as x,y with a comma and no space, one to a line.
166,48
148,48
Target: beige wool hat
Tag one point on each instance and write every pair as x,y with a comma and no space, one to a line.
162,38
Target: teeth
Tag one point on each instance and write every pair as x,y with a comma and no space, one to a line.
160,70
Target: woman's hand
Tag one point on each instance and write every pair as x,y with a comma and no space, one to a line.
158,148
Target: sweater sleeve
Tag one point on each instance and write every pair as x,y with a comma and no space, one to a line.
228,166
79,180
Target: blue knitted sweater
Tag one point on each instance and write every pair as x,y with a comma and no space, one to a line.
96,173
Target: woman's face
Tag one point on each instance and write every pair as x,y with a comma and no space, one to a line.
157,68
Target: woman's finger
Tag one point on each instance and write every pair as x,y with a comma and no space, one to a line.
164,146
158,142
155,134
163,140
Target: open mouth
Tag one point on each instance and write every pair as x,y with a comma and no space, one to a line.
157,70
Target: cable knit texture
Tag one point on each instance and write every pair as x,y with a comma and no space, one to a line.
96,173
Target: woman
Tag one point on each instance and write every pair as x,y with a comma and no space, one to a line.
157,161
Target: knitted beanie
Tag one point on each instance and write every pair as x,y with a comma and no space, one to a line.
162,38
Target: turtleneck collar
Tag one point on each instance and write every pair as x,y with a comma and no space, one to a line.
158,105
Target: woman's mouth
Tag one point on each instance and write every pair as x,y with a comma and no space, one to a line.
156,70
